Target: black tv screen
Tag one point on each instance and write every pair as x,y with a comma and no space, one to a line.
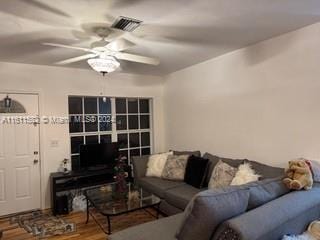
98,155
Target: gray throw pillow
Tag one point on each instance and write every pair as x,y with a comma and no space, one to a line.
265,191
209,209
222,175
175,167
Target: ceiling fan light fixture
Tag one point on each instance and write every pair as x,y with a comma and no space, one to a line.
104,65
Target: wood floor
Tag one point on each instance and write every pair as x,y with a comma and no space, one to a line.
90,231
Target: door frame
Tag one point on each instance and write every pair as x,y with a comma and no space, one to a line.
41,156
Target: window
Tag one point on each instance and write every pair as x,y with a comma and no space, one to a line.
108,119
133,126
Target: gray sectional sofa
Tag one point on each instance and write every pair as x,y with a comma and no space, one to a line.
263,210
176,195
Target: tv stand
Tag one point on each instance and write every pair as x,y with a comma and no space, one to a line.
97,168
64,182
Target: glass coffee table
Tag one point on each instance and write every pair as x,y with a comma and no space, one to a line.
109,202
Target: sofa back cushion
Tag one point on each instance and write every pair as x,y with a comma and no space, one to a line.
266,171
194,153
210,208
140,164
265,191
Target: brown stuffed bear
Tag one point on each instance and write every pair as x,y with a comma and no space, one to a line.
298,175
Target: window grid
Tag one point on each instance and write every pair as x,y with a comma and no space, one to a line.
114,132
128,131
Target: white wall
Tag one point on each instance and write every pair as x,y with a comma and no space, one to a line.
55,84
261,102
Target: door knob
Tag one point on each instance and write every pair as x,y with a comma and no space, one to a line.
35,161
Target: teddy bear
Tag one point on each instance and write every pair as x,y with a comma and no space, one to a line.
298,175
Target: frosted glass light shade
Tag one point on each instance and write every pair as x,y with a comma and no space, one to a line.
104,65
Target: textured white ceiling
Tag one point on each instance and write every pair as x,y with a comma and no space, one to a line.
178,32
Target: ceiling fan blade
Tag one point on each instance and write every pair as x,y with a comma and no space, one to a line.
114,34
119,45
80,35
137,58
68,46
77,59
47,8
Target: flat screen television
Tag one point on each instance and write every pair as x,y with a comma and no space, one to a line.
98,156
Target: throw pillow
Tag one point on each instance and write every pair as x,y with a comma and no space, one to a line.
213,160
196,171
156,164
222,175
208,209
245,174
175,167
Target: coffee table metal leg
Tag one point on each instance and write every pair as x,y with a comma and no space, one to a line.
158,210
87,211
109,224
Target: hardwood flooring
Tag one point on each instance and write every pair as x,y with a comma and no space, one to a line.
90,231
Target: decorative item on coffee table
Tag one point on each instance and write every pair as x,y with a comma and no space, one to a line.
103,202
120,178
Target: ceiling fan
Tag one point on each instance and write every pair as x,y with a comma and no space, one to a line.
102,55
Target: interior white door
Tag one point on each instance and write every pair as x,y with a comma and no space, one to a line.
19,157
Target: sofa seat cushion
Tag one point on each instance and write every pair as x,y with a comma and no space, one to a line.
164,228
180,196
157,186
169,209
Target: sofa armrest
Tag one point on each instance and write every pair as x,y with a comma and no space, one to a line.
139,166
289,214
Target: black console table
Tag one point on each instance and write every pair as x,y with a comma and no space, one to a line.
63,182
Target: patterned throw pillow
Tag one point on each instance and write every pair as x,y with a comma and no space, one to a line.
175,167
156,164
222,175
